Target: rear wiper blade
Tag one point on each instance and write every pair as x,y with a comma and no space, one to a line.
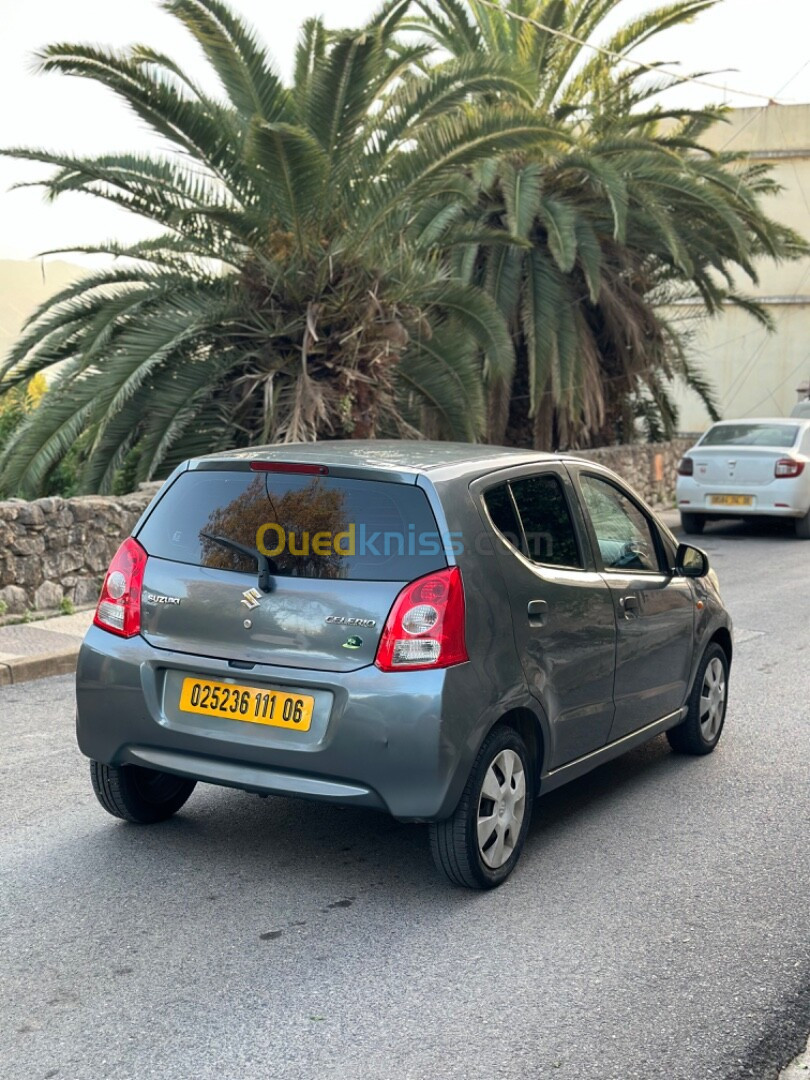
266,566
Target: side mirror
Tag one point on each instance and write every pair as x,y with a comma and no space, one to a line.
691,561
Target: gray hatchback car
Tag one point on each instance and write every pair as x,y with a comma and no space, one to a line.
436,630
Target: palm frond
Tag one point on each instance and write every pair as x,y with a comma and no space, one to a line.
237,56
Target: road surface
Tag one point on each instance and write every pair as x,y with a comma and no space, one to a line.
658,925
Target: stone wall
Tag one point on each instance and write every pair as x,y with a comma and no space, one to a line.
56,549
651,468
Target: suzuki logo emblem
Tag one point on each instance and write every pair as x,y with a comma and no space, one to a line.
251,598
732,465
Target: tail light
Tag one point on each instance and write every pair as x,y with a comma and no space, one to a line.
686,467
787,467
119,606
425,627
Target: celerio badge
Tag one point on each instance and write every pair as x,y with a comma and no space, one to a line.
344,620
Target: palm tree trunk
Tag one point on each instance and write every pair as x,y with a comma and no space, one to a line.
543,424
498,404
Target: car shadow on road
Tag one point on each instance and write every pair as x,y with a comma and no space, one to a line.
744,529
601,789
225,843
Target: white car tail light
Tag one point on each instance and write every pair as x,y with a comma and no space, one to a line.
788,467
425,627
119,606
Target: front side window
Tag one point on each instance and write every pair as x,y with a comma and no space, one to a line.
543,508
623,533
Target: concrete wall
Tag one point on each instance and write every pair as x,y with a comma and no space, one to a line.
52,549
756,373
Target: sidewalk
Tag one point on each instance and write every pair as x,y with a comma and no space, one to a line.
35,650
671,518
799,1068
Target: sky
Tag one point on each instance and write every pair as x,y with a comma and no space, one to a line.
765,42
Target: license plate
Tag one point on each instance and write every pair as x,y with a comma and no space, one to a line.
732,500
247,703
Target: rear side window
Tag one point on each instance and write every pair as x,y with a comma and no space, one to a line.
502,511
541,502
309,526
543,509
782,436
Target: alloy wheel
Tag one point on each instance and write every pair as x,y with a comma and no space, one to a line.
712,699
501,808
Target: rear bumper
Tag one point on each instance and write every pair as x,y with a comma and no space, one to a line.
780,498
257,778
389,741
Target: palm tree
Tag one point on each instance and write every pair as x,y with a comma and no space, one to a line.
624,213
299,286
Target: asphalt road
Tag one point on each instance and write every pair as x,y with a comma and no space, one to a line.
658,926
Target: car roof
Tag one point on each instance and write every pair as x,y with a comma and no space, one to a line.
394,455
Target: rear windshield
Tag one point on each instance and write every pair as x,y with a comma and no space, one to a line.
780,435
308,526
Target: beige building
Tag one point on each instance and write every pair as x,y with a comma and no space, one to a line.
755,373
23,287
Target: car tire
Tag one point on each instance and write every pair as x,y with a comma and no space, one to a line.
692,524
142,796
700,732
802,526
503,767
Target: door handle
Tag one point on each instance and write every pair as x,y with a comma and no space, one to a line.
629,603
537,610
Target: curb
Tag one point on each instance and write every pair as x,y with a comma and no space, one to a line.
27,668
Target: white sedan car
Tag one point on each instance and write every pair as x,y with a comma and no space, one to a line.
745,468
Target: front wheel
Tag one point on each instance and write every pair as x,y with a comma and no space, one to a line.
700,732
479,846
142,796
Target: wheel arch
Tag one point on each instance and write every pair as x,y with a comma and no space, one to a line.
722,637
527,724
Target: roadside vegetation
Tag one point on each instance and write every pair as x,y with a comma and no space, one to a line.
449,223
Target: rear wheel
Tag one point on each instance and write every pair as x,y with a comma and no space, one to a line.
802,526
692,524
139,795
479,846
700,732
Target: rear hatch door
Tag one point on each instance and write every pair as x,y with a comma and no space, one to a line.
341,548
